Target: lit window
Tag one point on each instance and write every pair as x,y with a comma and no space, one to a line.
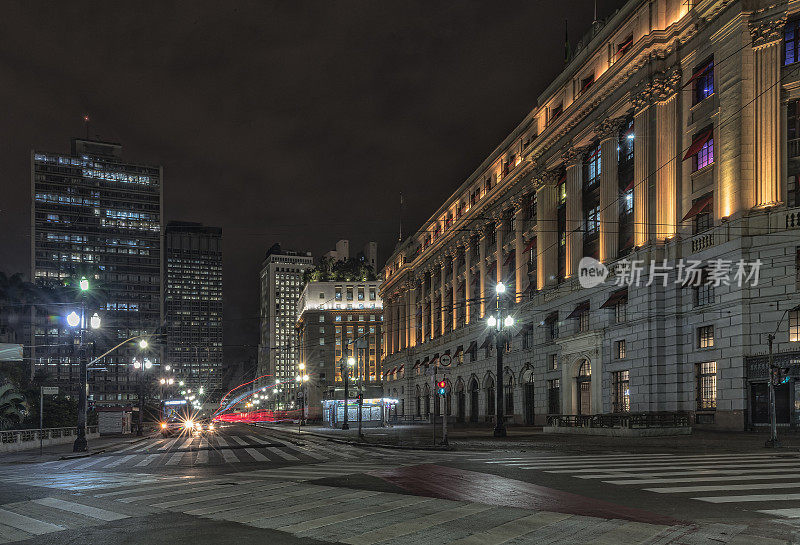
707,385
620,388
620,349
790,38
703,81
705,336
794,325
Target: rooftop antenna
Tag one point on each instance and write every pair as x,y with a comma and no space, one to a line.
86,124
595,11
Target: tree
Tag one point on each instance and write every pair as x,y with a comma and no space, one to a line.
12,407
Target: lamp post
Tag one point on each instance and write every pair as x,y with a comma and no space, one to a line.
499,322
301,381
73,320
346,372
142,366
772,377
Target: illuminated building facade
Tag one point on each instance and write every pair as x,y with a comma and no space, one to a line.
672,133
96,215
193,303
336,320
281,281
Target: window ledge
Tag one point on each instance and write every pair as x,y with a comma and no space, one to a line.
702,102
703,170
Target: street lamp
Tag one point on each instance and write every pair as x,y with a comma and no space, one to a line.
499,323
143,344
74,320
94,321
141,366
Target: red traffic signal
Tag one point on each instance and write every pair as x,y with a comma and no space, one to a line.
441,384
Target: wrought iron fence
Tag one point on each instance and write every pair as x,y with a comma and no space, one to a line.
621,420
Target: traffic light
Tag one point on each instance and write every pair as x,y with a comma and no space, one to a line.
442,386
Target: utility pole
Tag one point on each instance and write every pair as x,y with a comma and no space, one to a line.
81,444
773,421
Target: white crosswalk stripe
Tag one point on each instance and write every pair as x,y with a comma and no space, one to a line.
771,479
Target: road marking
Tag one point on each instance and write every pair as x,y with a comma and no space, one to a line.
684,467
710,472
306,451
252,452
202,457
630,532
282,454
175,458
229,492
246,502
263,522
150,458
779,476
512,529
654,462
92,462
354,514
79,508
131,446
788,513
150,488
723,487
209,485
188,442
120,460
421,523
229,456
168,444
203,442
28,524
754,497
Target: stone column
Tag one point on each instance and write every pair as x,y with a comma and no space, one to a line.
641,170
389,313
454,280
521,270
547,231
609,189
424,304
500,228
401,321
574,211
482,272
398,322
412,314
766,36
467,283
443,295
433,303
667,128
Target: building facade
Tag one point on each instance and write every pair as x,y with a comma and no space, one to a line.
336,320
671,137
193,303
95,215
281,281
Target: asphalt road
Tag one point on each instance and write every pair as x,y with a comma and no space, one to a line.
251,483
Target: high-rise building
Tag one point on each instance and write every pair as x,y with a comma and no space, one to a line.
336,320
370,253
193,303
342,251
281,283
97,216
670,140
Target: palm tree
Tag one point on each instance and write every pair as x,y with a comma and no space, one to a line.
12,407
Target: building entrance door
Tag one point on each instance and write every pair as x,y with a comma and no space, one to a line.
584,388
529,404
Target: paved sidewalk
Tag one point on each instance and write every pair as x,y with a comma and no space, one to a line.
532,438
57,452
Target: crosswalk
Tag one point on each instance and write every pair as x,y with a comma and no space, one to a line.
768,483
310,511
216,449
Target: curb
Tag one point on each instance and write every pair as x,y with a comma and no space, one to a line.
356,443
102,450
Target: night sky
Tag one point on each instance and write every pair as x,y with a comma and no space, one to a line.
293,122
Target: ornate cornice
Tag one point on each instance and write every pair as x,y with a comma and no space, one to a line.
609,128
666,83
767,32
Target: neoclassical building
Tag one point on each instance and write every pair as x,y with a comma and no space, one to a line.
671,137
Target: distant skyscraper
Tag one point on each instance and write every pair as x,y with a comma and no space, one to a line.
341,252
281,283
193,303
94,215
370,252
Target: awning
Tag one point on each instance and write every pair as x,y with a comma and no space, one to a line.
459,351
699,205
416,365
391,371
511,255
401,368
552,316
487,341
615,297
425,361
524,329
699,73
580,309
698,143
472,346
447,351
530,245
435,359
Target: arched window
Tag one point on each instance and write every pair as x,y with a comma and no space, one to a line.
473,400
508,395
490,397
427,401
585,369
418,401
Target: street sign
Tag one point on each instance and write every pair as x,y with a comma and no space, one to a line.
50,390
445,360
